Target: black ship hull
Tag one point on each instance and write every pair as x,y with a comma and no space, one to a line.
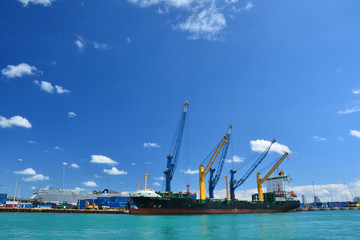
148,205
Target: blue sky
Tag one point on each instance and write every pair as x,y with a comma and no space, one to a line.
98,80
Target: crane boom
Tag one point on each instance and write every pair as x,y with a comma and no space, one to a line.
260,181
204,171
214,180
235,184
173,156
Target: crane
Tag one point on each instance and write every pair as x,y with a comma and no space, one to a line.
235,184
260,181
173,156
203,172
214,180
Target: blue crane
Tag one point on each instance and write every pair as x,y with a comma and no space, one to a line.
235,184
174,152
214,180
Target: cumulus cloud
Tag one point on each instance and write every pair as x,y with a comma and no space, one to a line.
355,133
115,171
44,85
151,145
45,3
319,139
35,178
61,90
78,189
260,145
48,87
206,23
74,165
201,19
72,114
157,184
235,159
28,171
14,121
102,159
248,6
133,164
190,172
90,184
12,71
356,91
159,178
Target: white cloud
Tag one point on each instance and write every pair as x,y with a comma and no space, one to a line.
80,42
190,172
151,145
45,3
159,178
157,184
260,145
78,189
61,90
206,23
133,164
100,45
128,40
235,159
201,19
31,141
72,114
319,139
35,178
14,121
248,6
90,184
58,148
173,3
102,159
33,188
350,110
97,176
74,165
356,91
148,162
28,171
355,133
12,71
44,85
115,171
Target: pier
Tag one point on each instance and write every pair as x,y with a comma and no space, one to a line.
83,211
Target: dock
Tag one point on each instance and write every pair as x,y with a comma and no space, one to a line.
83,211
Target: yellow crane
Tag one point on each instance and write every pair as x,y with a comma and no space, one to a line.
203,172
260,181
146,176
227,187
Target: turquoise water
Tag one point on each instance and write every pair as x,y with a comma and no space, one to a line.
292,225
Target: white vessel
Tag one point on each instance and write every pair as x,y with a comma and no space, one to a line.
70,196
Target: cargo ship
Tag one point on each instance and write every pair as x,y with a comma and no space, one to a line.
277,199
168,202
